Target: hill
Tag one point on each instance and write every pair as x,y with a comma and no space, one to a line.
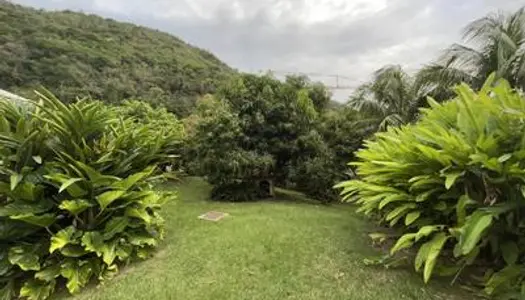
74,54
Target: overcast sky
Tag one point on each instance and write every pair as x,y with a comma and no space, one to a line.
351,38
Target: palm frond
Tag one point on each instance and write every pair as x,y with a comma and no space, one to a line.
461,56
368,106
437,80
391,120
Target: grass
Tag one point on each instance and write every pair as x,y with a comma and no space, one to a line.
281,249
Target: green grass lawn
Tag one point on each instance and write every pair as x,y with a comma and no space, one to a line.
281,249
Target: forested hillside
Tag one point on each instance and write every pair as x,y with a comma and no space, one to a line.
75,54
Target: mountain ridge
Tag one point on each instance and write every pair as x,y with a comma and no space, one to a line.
74,54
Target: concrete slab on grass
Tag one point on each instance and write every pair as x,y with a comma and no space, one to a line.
213,216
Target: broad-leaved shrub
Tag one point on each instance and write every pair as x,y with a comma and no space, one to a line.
76,193
454,185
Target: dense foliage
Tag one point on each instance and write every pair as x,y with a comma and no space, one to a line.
76,195
215,151
389,99
341,132
73,54
258,128
453,184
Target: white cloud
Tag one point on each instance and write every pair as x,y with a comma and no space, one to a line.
317,11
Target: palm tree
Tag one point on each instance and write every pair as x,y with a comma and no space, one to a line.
388,100
498,45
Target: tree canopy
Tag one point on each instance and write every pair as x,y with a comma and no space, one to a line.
496,43
390,98
393,96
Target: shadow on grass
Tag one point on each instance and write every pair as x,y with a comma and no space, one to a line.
292,196
204,190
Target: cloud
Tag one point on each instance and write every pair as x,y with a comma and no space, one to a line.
349,38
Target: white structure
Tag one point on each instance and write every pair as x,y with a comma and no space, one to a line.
7,95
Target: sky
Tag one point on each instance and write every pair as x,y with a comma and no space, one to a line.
349,38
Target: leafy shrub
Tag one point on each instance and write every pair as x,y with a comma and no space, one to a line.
454,185
258,128
76,194
155,125
216,153
325,151
316,176
314,172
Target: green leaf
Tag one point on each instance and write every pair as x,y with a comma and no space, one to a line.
403,242
73,251
412,217
473,229
426,231
37,159
39,220
8,291
141,239
27,191
109,252
378,236
36,289
76,206
421,256
24,257
425,195
436,244
441,206
510,252
105,199
124,251
49,273
77,274
399,211
461,206
5,265
127,183
139,213
96,177
502,278
108,272
61,238
451,178
93,242
22,207
68,183
144,252
115,226
73,189
392,198
504,157
15,180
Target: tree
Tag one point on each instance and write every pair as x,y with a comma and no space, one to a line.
498,45
317,92
216,150
390,98
325,152
255,129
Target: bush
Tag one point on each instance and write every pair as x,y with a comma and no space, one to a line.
325,151
316,176
76,195
454,184
214,151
